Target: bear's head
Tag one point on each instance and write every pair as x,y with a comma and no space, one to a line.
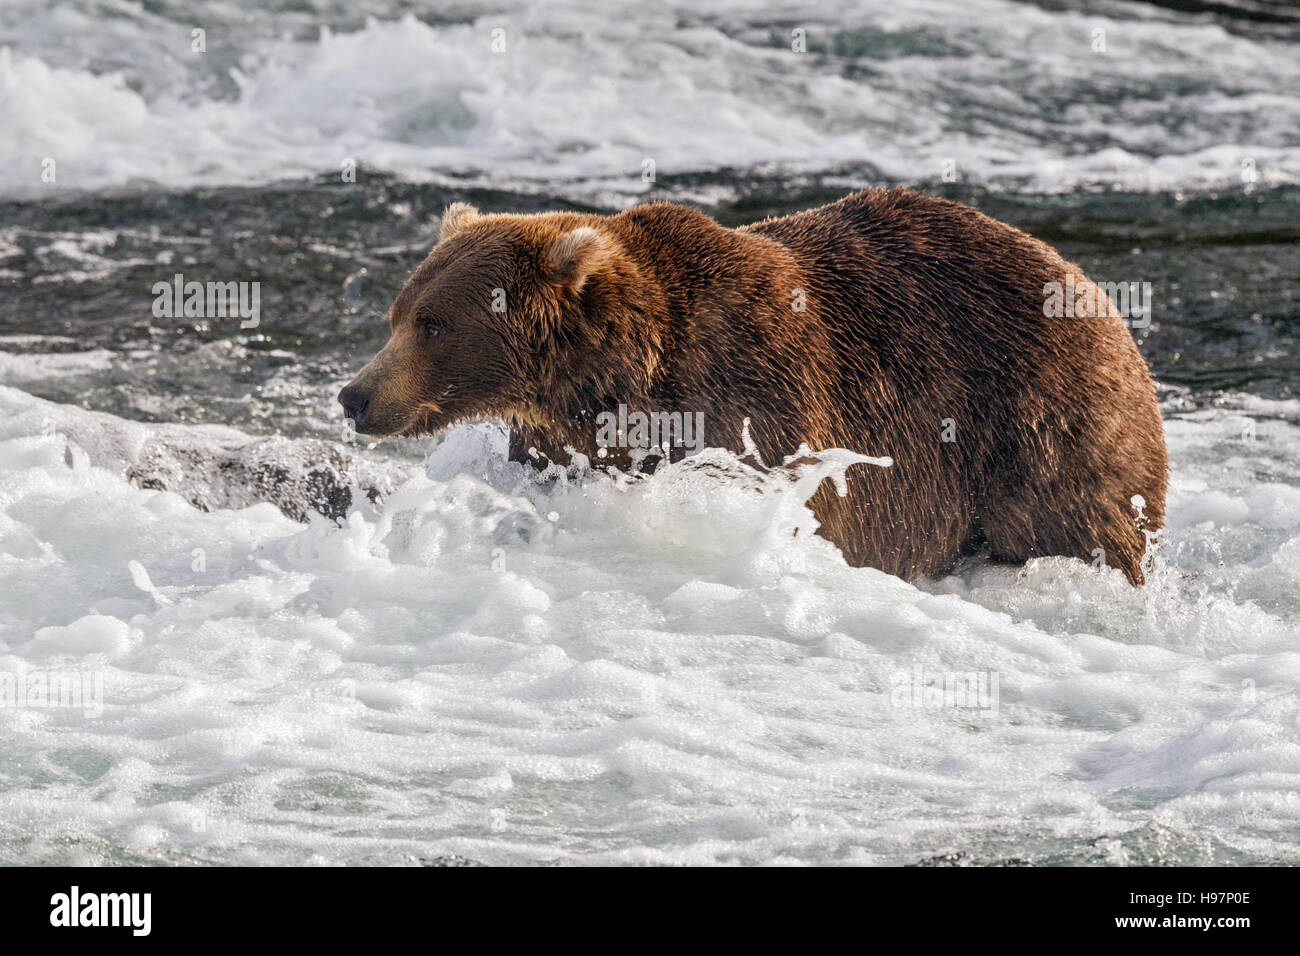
493,323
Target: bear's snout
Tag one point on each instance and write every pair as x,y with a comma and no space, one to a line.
355,402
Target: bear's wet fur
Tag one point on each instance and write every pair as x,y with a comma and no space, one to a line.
889,323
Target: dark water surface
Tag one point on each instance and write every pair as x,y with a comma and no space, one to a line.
77,275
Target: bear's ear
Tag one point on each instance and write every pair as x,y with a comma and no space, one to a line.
572,258
456,217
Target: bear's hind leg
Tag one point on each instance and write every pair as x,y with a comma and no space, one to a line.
1073,522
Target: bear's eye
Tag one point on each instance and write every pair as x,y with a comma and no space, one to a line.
429,328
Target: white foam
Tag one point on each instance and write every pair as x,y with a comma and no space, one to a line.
27,367
607,670
586,93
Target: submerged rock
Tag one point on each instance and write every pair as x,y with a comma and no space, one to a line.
210,466
449,859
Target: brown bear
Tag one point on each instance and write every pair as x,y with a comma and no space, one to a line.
889,323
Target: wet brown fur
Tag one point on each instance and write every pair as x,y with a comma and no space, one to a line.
917,310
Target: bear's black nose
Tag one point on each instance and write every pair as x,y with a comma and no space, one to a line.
355,403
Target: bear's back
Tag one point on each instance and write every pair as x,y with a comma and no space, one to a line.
920,262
